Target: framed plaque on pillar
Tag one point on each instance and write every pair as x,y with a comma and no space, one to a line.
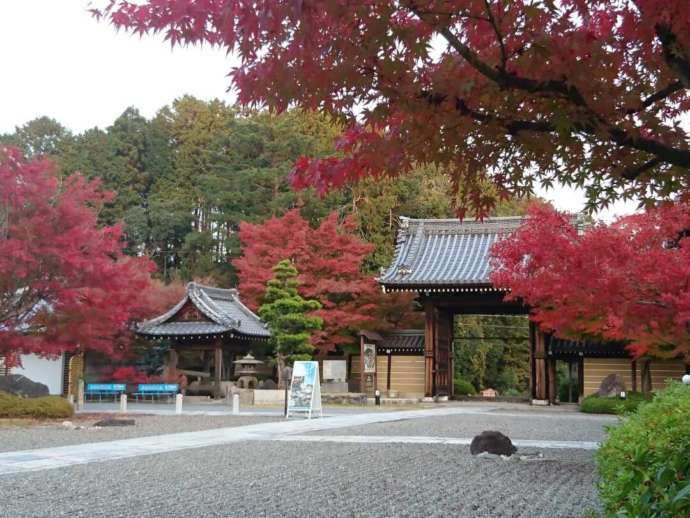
369,366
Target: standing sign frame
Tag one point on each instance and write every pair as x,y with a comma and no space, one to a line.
304,396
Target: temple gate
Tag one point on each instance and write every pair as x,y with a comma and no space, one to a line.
447,263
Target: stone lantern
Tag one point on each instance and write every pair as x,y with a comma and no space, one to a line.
247,369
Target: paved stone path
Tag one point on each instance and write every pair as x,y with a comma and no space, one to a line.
60,457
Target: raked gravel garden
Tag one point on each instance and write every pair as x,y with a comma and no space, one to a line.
295,478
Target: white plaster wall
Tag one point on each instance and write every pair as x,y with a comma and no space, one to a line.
42,370
269,397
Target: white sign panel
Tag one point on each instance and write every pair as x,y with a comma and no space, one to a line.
334,370
43,370
305,390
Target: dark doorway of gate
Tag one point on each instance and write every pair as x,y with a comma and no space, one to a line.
492,356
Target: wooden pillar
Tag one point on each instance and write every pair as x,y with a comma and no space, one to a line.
538,374
218,368
450,329
633,375
429,346
551,367
388,372
349,369
443,351
646,376
170,368
362,383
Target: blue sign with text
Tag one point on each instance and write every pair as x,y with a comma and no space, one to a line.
105,387
158,387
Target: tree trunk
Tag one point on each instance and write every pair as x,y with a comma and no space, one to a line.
646,377
280,362
218,371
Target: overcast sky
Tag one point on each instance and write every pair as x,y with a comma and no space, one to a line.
60,62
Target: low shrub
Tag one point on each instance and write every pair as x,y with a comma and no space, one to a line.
594,404
506,381
513,392
568,388
39,407
464,387
644,463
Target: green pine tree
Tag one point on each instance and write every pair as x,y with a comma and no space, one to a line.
286,314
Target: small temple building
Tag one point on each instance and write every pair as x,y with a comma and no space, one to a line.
208,330
446,262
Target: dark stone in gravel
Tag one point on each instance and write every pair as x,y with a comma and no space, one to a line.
611,386
115,422
492,442
20,385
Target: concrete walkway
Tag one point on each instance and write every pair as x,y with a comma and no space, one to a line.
212,409
52,458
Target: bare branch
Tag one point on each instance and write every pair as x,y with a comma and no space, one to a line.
512,126
499,36
657,96
596,124
634,172
676,57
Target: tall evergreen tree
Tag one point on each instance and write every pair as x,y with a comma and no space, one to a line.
286,314
40,137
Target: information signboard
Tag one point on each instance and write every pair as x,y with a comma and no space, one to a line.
106,387
369,353
158,387
305,389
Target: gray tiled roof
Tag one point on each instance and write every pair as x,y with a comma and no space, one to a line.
587,348
222,307
403,339
445,252
184,329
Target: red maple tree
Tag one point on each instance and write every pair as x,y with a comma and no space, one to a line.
329,260
627,281
65,283
160,297
510,93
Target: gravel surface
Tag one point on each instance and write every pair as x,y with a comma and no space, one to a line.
516,426
293,479
15,438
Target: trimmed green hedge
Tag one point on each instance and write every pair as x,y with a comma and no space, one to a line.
464,387
645,462
594,404
40,407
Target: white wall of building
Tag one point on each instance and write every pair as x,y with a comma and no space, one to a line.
42,370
